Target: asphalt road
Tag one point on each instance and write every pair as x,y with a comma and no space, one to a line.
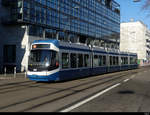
130,96
126,91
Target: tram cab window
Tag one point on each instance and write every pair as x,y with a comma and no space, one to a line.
73,60
65,60
80,60
43,60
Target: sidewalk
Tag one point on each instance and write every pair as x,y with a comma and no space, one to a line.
12,76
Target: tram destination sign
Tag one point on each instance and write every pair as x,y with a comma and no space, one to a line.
41,46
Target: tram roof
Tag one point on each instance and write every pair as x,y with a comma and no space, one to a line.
56,42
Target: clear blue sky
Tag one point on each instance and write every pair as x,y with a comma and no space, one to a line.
130,9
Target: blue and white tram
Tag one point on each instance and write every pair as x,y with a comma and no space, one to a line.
52,60
43,64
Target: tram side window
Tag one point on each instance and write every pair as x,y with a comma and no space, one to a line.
54,60
100,61
122,61
95,61
65,60
133,60
104,60
80,60
73,60
86,60
126,60
111,60
114,60
117,60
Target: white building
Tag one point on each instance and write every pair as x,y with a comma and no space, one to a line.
135,37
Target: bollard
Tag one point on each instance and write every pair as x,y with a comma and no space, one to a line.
14,72
25,72
5,70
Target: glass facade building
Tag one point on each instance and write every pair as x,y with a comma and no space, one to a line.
69,20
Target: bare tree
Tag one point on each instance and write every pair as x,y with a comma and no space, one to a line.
146,6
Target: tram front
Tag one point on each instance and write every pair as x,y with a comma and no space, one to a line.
43,63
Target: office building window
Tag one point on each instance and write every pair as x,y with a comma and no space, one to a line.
50,34
95,19
36,31
9,53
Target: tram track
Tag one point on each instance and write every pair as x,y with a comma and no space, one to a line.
51,93
15,83
22,85
18,87
86,85
70,94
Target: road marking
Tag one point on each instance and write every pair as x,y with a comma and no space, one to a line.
126,80
89,99
132,76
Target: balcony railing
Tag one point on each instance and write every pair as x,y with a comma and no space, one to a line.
8,3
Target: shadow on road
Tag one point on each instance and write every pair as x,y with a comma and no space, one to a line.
126,92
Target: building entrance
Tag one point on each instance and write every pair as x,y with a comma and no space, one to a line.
9,58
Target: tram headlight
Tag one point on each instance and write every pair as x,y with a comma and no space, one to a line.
47,64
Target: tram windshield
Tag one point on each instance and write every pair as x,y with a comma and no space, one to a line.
43,60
